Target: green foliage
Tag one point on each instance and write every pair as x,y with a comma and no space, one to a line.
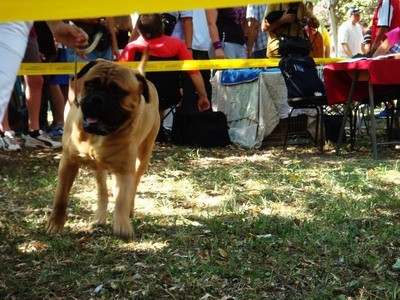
367,6
342,6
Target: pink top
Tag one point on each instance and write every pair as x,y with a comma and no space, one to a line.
393,37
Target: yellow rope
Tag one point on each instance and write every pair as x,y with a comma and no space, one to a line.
173,65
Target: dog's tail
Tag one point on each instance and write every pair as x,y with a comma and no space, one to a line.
143,61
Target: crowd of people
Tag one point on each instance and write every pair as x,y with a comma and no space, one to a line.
235,32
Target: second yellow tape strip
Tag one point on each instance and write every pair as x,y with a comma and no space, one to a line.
173,65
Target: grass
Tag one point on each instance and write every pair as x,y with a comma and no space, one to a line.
210,224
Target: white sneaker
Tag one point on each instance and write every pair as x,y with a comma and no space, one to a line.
9,142
43,140
2,143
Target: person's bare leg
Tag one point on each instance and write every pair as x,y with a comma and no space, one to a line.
57,102
35,137
34,84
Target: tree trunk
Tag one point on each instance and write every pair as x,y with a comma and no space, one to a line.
334,27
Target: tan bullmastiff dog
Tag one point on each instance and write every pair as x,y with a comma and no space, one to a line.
112,128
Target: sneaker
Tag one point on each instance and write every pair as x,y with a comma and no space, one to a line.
9,142
42,140
56,132
384,113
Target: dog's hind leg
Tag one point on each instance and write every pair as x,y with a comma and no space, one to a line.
142,164
143,159
66,176
139,172
102,197
123,193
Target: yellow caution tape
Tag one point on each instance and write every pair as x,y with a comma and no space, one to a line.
173,65
30,10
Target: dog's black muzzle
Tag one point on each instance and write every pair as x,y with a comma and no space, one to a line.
102,114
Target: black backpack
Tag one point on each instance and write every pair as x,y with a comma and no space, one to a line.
169,22
200,129
301,77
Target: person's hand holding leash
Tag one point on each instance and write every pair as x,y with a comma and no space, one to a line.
69,35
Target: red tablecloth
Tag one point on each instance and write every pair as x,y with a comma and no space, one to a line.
383,74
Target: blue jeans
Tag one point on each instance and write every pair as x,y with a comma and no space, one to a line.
231,50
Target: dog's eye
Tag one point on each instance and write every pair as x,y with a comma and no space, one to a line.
89,86
116,90
92,85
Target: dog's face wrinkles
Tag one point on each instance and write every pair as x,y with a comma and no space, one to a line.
103,100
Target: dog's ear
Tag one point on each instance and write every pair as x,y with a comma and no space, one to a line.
85,69
144,86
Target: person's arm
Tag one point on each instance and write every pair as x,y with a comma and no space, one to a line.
383,48
253,28
69,35
381,31
286,18
212,15
187,25
311,19
327,51
203,103
366,48
346,49
327,42
114,43
134,35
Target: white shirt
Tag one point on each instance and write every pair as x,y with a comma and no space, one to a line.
178,29
13,41
352,35
201,35
385,14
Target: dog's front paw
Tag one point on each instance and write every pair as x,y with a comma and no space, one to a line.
123,230
100,218
54,225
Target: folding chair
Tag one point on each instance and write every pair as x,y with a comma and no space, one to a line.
305,91
169,89
387,98
308,102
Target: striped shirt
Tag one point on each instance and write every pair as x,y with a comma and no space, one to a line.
257,12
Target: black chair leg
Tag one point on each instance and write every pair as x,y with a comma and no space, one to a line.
319,142
287,130
353,126
319,139
389,122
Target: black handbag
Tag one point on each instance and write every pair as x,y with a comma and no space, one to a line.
169,22
294,45
200,129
